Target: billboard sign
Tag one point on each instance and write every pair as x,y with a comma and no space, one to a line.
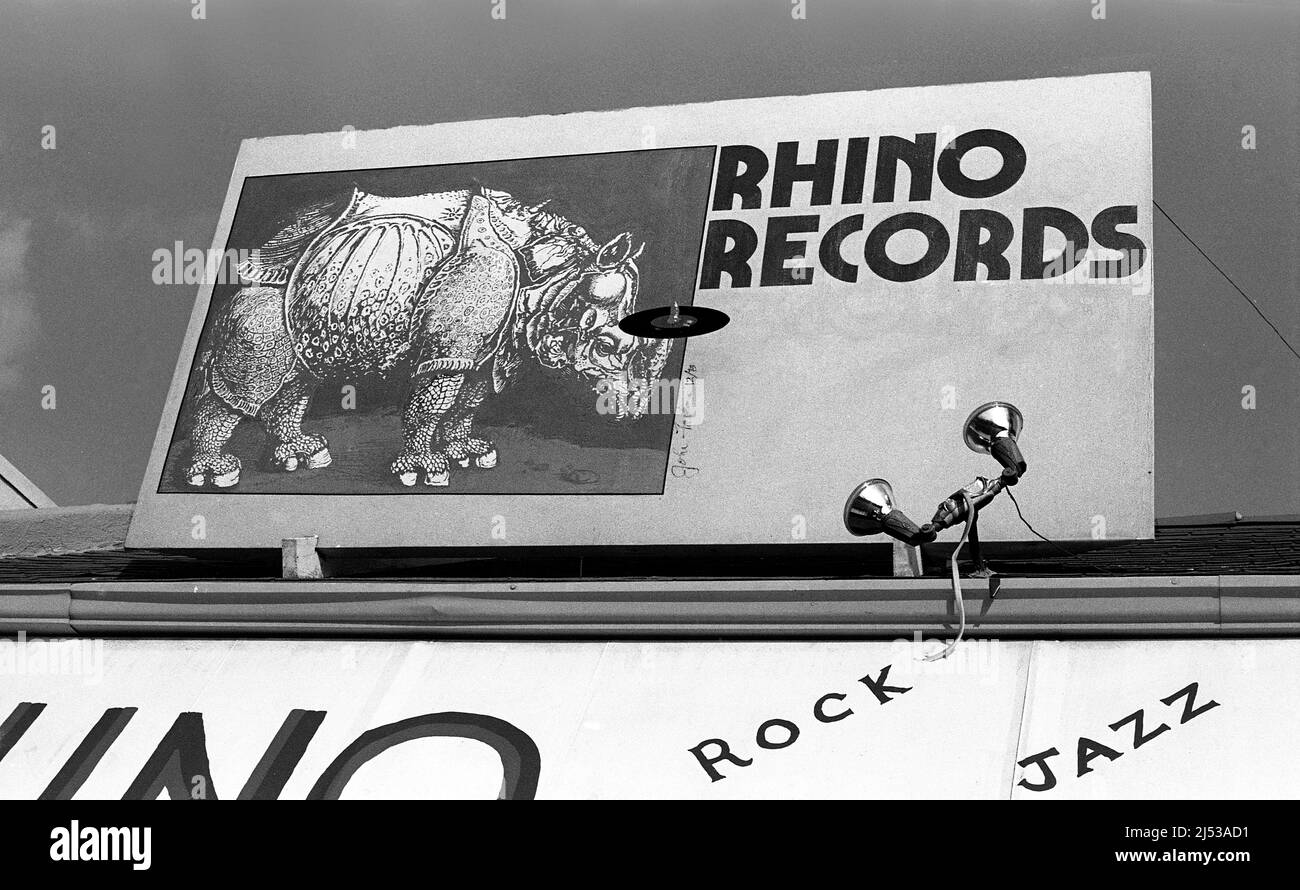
411,336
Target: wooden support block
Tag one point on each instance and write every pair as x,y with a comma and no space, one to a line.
299,560
907,561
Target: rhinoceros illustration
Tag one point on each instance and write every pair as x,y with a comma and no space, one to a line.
454,289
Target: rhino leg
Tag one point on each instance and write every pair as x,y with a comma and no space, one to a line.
214,422
282,418
430,400
456,432
250,359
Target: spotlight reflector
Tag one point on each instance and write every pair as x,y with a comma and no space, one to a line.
994,428
870,510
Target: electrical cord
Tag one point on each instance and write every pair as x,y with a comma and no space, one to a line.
971,516
1073,556
956,582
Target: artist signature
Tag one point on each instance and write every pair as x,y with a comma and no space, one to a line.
683,427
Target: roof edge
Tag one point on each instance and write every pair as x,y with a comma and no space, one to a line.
1235,517
63,529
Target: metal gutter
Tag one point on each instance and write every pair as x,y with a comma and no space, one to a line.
1213,605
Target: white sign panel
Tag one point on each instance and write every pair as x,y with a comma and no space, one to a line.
1023,720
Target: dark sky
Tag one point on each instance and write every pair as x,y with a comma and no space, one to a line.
150,105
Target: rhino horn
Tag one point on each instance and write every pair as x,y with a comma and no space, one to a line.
653,357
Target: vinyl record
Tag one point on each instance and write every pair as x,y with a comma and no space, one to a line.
674,322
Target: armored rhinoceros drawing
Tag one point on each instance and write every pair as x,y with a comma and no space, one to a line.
455,289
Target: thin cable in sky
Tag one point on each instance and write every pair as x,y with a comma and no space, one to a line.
1253,304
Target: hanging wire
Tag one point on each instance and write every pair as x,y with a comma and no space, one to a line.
1068,553
1226,278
